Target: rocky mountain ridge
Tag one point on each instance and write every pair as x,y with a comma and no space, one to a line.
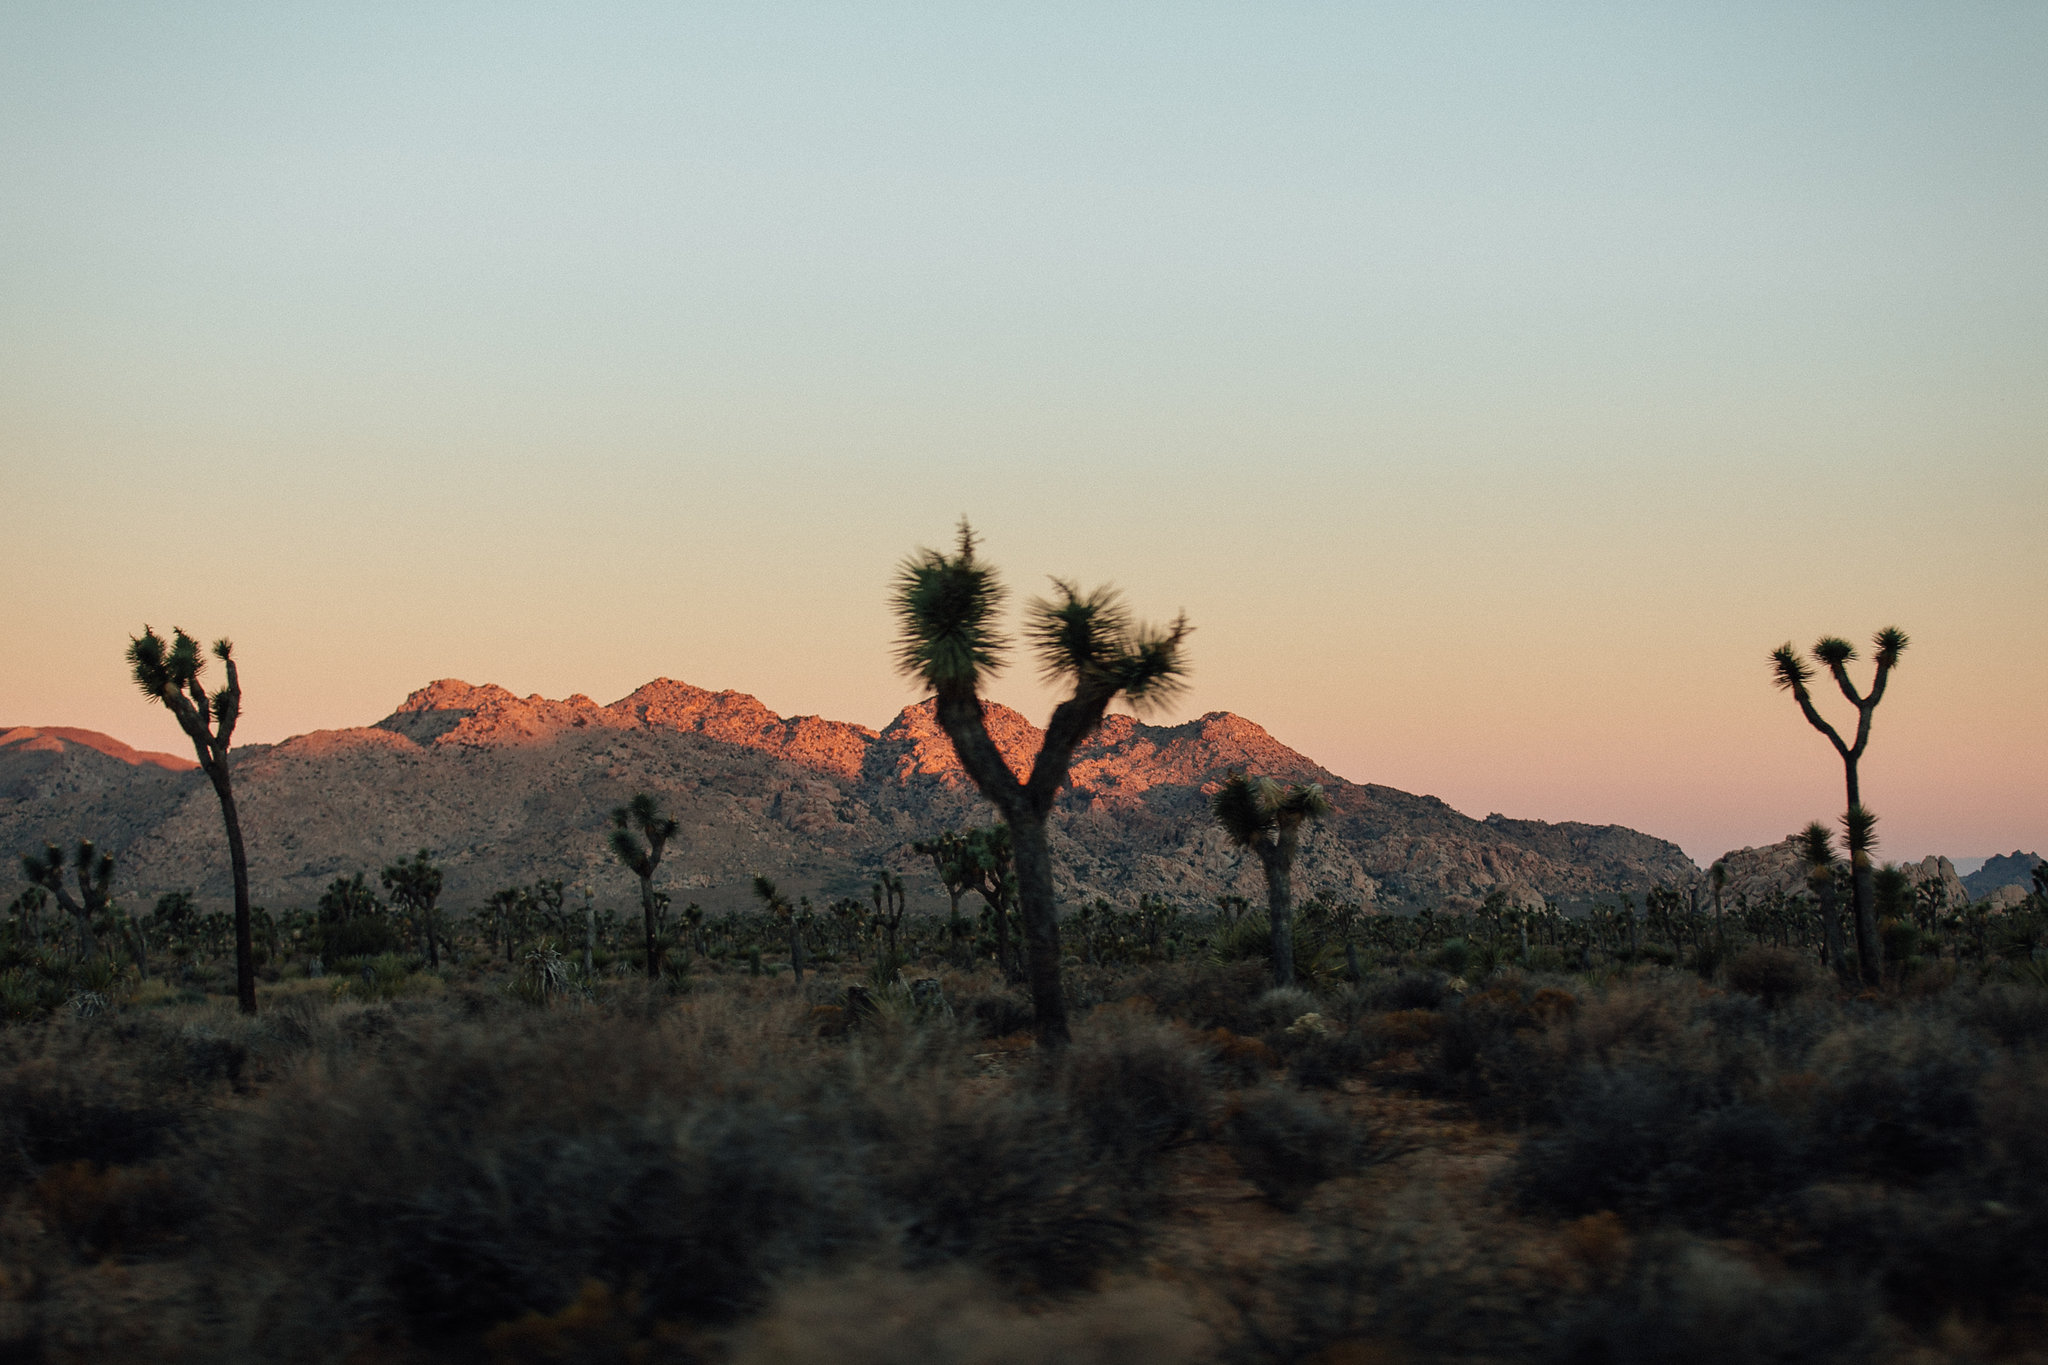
506,789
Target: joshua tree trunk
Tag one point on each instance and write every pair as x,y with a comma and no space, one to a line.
238,862
1831,926
647,921
1040,913
1279,865
1025,807
1863,894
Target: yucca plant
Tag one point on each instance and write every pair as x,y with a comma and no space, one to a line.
950,640
1261,815
168,673
641,819
1792,673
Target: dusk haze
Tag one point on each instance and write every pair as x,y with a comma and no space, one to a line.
1493,385
1007,684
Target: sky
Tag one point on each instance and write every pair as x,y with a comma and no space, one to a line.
1492,385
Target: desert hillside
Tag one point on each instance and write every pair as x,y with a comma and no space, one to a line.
507,789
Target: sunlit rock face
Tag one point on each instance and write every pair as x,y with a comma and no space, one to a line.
506,789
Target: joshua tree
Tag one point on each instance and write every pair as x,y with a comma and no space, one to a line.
890,904
415,883
637,819
949,640
95,872
1261,815
168,672
1816,845
979,860
1792,674
777,904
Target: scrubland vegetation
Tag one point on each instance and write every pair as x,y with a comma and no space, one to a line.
1467,1153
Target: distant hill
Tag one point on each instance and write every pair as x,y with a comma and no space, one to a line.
2009,869
507,789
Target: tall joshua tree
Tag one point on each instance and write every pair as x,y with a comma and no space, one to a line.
639,819
95,881
168,673
949,639
1792,673
1261,815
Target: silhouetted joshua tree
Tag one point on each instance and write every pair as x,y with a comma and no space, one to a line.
1261,815
949,639
891,904
169,673
1792,674
1816,845
638,819
95,872
415,883
979,860
778,905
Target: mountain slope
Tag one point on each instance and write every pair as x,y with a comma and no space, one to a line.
506,789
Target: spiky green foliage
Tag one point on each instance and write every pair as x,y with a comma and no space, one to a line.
1788,670
1816,844
1089,639
1248,808
1265,817
946,608
1833,650
637,819
1889,644
1859,831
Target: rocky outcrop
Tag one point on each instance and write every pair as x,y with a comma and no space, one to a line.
1779,868
506,789
2008,869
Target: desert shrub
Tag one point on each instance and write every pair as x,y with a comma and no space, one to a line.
1684,1302
995,1014
1014,1185
1238,1060
1275,1009
1899,1098
1324,1058
1207,995
73,1093
1287,1144
2011,1015
1773,975
1652,1142
1475,1036
437,1179
363,936
1408,991
1453,956
1135,1084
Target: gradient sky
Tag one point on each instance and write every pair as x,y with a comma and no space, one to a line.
1493,385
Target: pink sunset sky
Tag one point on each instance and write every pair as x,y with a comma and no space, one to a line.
1493,386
